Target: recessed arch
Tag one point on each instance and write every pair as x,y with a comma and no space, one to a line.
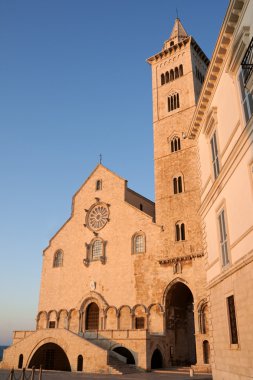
123,351
51,356
179,317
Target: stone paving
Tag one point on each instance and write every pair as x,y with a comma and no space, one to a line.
155,375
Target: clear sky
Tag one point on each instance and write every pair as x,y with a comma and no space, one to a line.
73,84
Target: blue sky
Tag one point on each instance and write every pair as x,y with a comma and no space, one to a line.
73,84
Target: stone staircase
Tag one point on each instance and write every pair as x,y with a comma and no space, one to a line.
117,367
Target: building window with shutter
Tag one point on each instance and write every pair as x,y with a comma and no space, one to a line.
215,155
223,238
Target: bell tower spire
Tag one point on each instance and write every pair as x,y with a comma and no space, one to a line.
177,35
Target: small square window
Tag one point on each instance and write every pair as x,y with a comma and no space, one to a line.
139,323
52,324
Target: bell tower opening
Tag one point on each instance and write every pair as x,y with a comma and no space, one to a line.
180,324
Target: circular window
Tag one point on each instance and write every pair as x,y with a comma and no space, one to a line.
97,216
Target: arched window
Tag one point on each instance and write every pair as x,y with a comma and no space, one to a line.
173,102
171,75
180,231
20,361
97,249
58,259
92,317
177,185
175,144
139,243
167,76
162,79
80,363
203,318
181,71
176,73
99,184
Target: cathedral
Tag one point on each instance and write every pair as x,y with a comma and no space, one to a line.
125,283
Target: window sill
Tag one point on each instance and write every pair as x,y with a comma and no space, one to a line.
234,346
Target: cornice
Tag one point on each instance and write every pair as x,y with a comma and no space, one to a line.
181,258
217,62
173,49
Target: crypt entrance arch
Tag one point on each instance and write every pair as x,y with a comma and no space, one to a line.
51,356
180,330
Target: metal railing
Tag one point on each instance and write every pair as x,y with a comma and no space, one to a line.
25,375
247,63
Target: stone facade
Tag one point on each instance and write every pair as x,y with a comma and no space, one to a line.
125,278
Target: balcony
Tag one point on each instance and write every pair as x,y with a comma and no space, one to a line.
247,67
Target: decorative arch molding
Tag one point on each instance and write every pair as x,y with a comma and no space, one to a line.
139,305
157,346
59,342
109,308
40,314
155,304
170,285
202,304
93,296
62,311
123,306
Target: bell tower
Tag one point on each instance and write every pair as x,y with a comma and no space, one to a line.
178,72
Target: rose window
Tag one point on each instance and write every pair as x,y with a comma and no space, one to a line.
98,217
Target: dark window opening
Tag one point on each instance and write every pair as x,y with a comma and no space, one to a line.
180,231
232,320
99,185
141,207
139,323
51,324
80,363
20,361
167,77
206,352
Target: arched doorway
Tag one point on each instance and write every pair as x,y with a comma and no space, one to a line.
157,359
50,356
92,317
126,353
180,325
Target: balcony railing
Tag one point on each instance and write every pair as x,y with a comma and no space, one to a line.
247,63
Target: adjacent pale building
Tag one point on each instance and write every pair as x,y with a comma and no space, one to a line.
223,126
